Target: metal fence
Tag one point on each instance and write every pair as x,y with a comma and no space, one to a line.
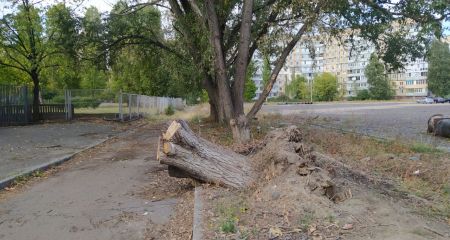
14,105
133,106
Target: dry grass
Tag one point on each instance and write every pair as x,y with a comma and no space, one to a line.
418,169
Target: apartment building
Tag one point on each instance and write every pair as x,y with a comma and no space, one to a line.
258,79
347,60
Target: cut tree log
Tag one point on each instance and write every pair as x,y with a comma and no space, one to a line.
188,155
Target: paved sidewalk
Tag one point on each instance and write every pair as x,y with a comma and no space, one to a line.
24,148
96,195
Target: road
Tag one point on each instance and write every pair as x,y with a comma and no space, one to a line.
393,120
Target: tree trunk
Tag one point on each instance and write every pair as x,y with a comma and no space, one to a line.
191,156
240,128
36,100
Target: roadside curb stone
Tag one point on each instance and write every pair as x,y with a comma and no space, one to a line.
197,230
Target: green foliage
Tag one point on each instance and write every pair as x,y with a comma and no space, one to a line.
379,86
363,95
80,102
297,89
325,87
169,111
228,226
439,68
266,70
250,86
282,98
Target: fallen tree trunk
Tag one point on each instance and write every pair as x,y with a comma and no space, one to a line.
188,155
439,125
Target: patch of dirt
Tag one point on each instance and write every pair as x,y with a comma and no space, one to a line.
180,225
303,194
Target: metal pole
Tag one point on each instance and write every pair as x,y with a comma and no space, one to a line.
138,98
120,106
129,106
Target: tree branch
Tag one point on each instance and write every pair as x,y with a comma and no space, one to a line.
273,76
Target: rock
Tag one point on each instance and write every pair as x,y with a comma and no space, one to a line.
276,195
347,226
415,157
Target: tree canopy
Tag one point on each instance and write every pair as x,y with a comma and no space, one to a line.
325,87
379,85
439,68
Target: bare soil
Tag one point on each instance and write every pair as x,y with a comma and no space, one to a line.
306,194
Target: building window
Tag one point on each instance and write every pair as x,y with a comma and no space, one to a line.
409,82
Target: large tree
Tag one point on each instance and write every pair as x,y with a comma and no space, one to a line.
222,37
325,87
29,46
439,68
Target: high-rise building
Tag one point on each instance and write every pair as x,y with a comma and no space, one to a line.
347,60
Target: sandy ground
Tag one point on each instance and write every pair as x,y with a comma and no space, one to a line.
406,121
115,191
22,148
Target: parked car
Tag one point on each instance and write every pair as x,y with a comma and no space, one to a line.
447,100
439,100
426,100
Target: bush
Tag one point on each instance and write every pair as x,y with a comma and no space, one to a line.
282,98
170,110
363,95
79,102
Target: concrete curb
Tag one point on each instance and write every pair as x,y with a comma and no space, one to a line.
42,167
197,231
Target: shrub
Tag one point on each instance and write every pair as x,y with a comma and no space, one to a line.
169,110
363,95
228,226
79,102
282,98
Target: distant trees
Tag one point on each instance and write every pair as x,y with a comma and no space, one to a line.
325,87
297,88
250,86
54,48
439,68
379,85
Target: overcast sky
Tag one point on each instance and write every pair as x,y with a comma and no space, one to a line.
101,5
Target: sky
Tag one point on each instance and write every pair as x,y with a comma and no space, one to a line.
106,5
101,5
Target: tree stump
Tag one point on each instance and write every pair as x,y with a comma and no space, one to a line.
188,155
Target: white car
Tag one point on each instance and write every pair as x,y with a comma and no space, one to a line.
426,100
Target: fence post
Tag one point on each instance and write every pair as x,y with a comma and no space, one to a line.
26,107
70,107
120,106
129,106
138,98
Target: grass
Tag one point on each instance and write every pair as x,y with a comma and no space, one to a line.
306,220
108,109
424,148
427,178
389,159
229,211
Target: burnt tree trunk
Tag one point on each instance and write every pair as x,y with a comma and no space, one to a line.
191,156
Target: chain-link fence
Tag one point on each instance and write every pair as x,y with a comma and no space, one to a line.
133,106
112,105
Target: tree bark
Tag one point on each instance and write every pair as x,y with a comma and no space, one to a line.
36,100
191,156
